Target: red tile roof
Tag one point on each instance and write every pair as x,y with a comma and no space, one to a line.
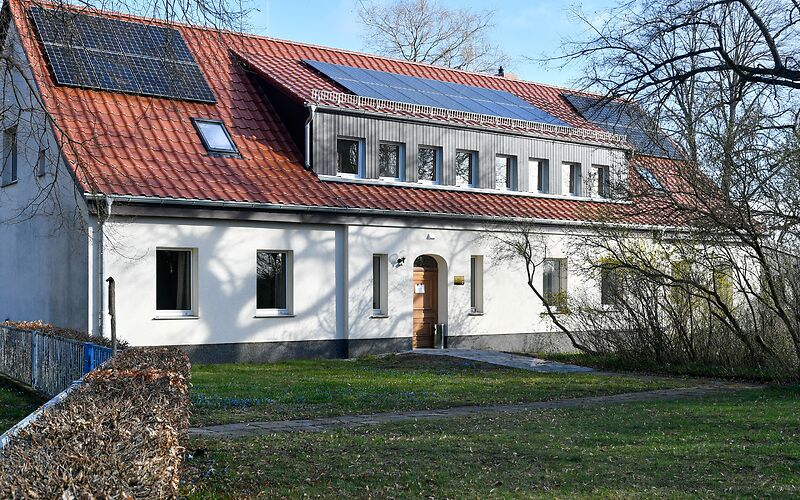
129,145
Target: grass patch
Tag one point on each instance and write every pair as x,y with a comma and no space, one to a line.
614,363
15,404
726,445
324,388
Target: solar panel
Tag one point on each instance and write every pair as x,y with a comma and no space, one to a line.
624,119
435,93
108,54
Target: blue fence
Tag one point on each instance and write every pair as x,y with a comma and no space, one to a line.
47,363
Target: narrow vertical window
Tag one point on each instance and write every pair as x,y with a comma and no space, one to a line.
603,182
505,172
389,156
348,157
272,281
380,283
174,282
610,286
543,177
428,164
41,163
465,168
575,179
10,156
554,282
476,284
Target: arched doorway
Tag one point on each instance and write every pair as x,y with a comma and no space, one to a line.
426,300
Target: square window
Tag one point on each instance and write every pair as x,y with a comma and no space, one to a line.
389,158
174,281
428,164
215,136
348,156
465,168
9,156
272,281
505,172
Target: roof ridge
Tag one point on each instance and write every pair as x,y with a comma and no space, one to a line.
136,18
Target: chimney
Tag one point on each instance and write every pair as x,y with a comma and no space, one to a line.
501,71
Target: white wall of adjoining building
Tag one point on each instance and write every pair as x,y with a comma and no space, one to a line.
509,305
43,237
332,277
225,281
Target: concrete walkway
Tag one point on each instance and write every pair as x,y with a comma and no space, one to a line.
505,359
249,429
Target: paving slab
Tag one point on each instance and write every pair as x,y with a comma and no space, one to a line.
507,359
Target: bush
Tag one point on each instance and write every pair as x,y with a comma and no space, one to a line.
122,434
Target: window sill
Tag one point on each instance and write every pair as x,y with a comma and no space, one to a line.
161,318
273,315
378,316
10,183
476,314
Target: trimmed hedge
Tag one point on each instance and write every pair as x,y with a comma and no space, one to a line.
57,331
121,434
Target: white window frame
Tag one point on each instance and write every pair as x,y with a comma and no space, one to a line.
601,189
437,167
192,312
288,286
561,280
476,285
577,184
10,174
232,151
511,173
361,158
535,168
380,285
473,168
401,161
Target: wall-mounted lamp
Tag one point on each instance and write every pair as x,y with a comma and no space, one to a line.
430,237
396,260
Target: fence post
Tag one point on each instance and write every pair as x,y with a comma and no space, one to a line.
34,357
88,358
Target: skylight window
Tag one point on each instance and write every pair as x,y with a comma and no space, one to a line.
650,178
215,136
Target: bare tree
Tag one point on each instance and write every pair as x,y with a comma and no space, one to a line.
720,285
426,31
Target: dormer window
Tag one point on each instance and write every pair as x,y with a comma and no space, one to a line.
215,136
349,156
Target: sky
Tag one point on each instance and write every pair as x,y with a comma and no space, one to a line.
523,28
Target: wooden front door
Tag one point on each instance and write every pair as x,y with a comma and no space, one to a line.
426,305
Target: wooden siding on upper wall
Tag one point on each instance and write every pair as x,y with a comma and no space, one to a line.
328,126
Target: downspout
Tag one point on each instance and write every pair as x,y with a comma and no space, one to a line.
312,108
100,285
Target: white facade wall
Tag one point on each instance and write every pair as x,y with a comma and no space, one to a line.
43,235
332,276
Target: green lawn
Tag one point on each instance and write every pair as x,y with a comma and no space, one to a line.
727,445
15,404
310,389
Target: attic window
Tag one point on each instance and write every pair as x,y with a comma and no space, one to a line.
650,178
215,136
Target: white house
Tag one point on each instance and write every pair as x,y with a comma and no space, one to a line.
258,199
